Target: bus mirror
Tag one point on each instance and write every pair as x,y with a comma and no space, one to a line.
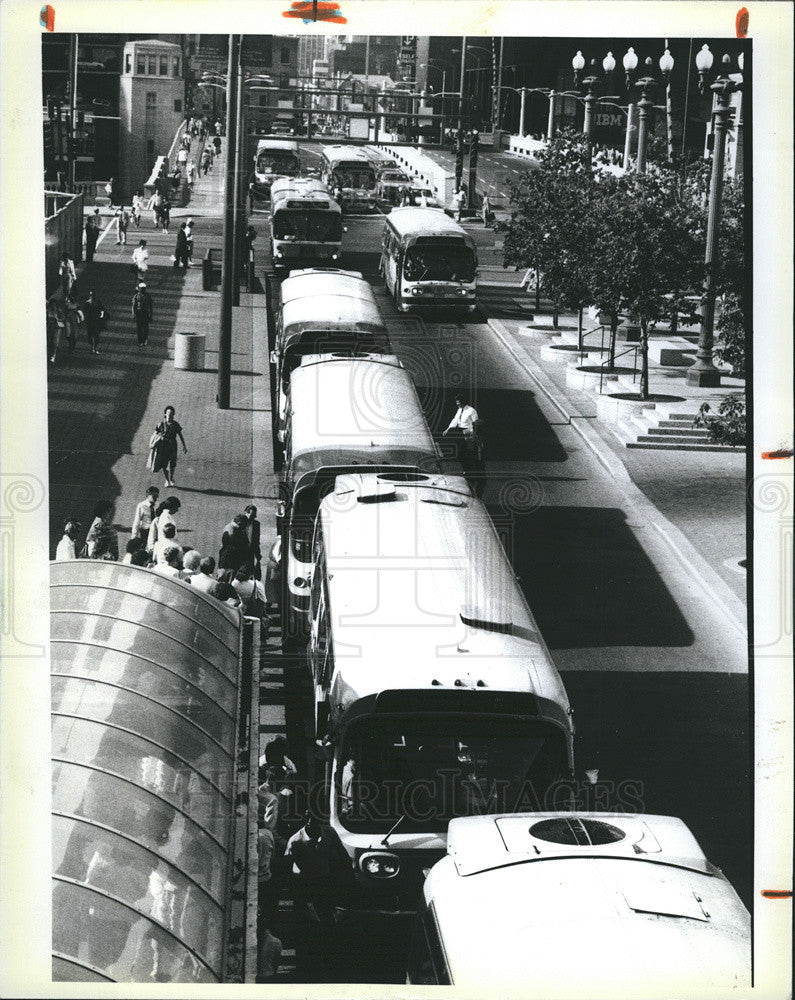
274,358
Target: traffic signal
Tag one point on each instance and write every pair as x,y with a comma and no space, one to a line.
459,157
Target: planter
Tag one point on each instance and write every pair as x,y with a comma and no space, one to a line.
617,406
559,352
591,376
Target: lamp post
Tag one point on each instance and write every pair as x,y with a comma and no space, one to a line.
225,333
645,105
703,372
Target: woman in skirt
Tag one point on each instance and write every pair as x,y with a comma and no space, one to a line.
163,445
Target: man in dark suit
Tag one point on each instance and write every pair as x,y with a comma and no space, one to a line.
253,530
235,550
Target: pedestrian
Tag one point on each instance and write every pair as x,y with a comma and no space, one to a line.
423,199
75,320
67,273
191,560
56,326
145,514
267,799
205,578
92,235
218,128
94,313
182,155
140,558
180,256
275,757
122,222
467,422
225,593
137,207
143,312
165,513
234,551
165,458
109,191
250,591
102,542
133,545
485,210
169,564
167,539
206,160
322,873
66,546
191,173
156,205
254,533
140,258
165,213
459,201
189,237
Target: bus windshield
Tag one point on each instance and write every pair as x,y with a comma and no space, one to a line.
439,262
354,175
431,769
277,161
307,225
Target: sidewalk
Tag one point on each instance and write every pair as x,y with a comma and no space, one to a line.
102,409
701,495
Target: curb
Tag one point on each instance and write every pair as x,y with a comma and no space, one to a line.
698,567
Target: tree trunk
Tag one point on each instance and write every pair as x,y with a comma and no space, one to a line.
613,332
555,317
579,331
538,290
644,359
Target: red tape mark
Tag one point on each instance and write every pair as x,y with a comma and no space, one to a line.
781,453
308,10
47,17
741,22
777,893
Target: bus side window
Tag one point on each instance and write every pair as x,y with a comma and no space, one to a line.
427,965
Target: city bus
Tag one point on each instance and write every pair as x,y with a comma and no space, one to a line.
274,158
435,694
609,903
306,223
323,310
349,172
427,259
343,413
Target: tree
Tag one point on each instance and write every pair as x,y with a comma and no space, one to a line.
553,229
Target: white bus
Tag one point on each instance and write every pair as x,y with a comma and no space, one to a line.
349,171
433,685
306,223
324,310
564,904
428,259
343,413
274,158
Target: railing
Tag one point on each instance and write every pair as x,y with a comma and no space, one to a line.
633,349
586,333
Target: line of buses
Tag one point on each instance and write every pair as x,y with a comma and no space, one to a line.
445,726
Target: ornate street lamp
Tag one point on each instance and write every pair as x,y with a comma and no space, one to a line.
703,372
645,105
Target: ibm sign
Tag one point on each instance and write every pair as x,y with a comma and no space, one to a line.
609,126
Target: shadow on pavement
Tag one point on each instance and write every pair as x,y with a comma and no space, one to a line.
588,560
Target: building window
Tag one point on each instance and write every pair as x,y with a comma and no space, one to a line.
128,63
175,65
141,66
151,65
164,65
285,53
151,99
178,105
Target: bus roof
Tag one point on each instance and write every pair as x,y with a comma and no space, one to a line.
368,404
411,221
304,191
549,907
336,154
443,584
325,281
329,312
270,144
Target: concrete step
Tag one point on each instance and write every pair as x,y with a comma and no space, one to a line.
680,433
655,444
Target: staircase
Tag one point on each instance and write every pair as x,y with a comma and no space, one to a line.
667,427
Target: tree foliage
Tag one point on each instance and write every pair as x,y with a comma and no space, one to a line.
728,426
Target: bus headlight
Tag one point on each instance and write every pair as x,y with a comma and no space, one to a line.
279,253
379,864
463,291
415,290
300,582
335,256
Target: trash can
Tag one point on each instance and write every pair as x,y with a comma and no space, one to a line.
189,351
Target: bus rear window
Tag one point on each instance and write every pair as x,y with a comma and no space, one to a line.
277,162
307,225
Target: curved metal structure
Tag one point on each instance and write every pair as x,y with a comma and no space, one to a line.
145,691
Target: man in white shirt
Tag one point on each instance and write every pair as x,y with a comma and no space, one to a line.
66,546
141,258
204,579
465,419
145,514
